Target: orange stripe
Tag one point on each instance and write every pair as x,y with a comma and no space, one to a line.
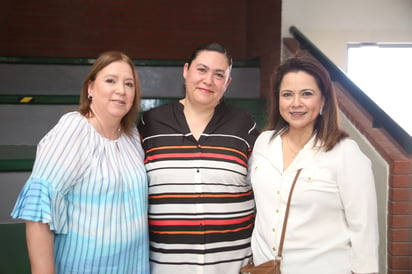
228,149
201,232
193,147
194,155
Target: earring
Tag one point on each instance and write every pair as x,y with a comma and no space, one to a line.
321,110
89,97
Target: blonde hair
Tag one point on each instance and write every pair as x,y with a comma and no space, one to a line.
128,122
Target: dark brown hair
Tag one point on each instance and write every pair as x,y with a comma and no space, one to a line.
128,122
327,130
213,46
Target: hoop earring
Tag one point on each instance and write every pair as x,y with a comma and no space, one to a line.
89,97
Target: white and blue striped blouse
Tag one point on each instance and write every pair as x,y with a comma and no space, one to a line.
92,192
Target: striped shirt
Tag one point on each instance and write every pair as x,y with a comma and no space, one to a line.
201,208
92,192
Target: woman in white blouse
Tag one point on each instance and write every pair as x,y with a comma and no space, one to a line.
85,203
332,226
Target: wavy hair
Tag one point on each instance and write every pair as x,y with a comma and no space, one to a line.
326,129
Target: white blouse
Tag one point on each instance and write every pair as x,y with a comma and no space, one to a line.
92,192
332,225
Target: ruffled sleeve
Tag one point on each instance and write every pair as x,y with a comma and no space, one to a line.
61,160
39,202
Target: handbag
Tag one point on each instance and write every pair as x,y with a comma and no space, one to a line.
273,266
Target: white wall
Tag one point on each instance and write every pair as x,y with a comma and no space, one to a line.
381,174
331,24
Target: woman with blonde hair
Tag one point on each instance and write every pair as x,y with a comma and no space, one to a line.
85,203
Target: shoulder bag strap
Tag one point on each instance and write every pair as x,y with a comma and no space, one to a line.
285,221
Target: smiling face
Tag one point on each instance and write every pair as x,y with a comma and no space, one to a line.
207,78
300,101
112,91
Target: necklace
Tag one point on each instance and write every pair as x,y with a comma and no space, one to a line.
117,134
294,152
